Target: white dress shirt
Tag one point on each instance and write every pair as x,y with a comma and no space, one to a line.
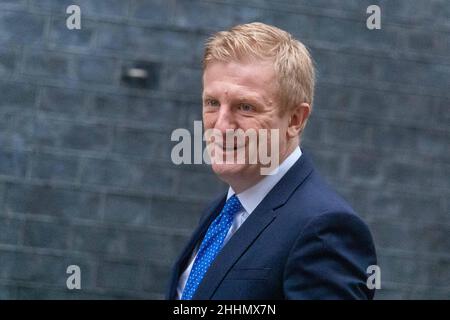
249,199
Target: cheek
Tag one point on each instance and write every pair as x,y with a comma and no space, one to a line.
254,123
208,120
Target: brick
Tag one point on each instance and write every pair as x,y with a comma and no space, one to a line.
158,12
327,162
372,104
428,237
391,235
128,244
17,97
390,137
337,30
182,79
314,131
441,174
89,8
13,163
397,205
412,72
193,113
175,214
339,99
434,143
62,101
45,235
10,230
2,194
13,4
154,112
339,131
90,239
52,201
391,293
186,15
63,38
422,40
413,108
50,272
199,184
438,272
160,247
365,168
8,259
423,293
441,115
38,293
101,70
127,174
124,209
299,25
147,43
16,131
402,270
408,173
46,269
8,62
54,167
156,278
18,27
8,292
403,9
347,66
67,134
118,275
357,197
434,238
141,143
50,64
107,172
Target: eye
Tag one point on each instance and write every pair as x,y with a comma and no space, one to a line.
246,107
211,103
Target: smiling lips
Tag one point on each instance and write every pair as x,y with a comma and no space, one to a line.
226,148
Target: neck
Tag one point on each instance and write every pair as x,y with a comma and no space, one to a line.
243,182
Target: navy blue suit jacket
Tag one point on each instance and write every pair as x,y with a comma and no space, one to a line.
303,241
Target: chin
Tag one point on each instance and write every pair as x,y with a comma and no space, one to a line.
228,169
231,172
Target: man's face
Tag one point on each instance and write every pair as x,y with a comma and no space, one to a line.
242,95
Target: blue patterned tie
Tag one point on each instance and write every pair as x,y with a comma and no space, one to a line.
211,245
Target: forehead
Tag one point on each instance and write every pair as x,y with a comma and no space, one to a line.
249,77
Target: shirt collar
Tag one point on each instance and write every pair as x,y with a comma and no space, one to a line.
253,196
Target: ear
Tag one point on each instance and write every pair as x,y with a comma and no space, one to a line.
298,117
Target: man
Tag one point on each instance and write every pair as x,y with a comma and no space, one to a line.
285,235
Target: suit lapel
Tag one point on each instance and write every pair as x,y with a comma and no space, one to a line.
261,217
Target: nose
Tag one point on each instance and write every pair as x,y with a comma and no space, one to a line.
225,119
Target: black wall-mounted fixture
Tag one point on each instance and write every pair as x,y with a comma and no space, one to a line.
141,75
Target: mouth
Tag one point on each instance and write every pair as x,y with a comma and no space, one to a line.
229,148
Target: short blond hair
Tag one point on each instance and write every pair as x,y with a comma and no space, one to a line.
293,64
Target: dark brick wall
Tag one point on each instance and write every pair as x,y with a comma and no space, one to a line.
85,171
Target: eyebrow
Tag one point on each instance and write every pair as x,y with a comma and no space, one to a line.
241,98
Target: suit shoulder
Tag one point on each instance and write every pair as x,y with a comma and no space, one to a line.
316,197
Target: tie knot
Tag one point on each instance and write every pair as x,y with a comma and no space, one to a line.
232,206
